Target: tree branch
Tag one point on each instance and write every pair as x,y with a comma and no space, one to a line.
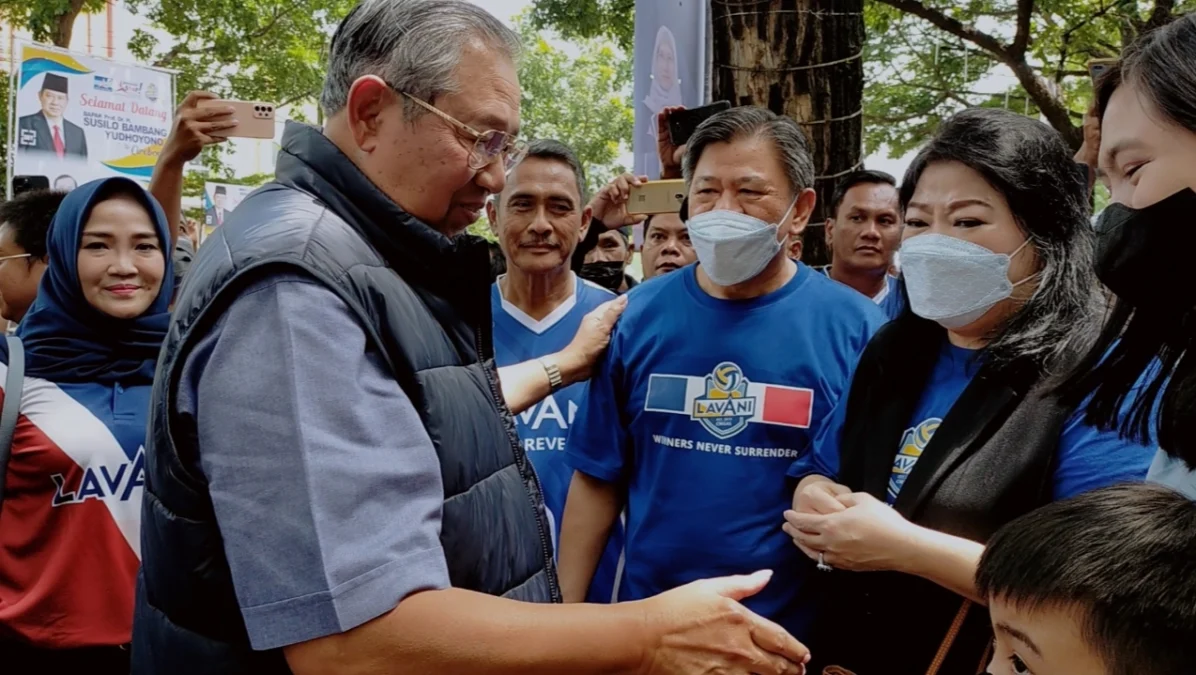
64,24
1051,107
952,25
1021,39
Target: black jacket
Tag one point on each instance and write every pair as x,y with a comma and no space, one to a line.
424,301
990,461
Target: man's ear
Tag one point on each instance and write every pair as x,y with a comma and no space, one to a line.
492,215
829,232
587,215
368,97
803,208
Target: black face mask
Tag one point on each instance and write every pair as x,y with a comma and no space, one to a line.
1144,255
608,275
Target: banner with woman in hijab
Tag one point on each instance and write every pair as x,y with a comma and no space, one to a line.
670,68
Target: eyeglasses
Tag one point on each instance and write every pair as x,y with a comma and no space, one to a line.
6,258
487,145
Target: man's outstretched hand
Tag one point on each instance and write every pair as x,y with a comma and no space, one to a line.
703,628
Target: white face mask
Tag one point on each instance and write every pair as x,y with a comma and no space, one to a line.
733,247
954,282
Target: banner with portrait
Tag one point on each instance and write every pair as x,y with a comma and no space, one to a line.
76,117
670,68
219,200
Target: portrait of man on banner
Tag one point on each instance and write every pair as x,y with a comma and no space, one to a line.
215,214
48,130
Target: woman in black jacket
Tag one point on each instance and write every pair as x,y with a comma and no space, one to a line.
950,430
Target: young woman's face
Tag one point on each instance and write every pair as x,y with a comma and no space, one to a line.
1144,156
121,263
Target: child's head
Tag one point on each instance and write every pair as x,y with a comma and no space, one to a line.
1100,584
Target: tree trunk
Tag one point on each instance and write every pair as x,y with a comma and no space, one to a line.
64,25
803,59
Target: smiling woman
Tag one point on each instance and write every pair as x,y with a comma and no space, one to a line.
120,261
70,545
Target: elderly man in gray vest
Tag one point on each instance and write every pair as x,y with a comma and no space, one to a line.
333,480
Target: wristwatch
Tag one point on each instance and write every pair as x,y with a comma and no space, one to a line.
554,374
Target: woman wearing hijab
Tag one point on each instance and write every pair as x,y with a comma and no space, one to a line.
664,92
950,429
70,521
1146,106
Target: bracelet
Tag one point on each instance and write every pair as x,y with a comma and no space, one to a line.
554,374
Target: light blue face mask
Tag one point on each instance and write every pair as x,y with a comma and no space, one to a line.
954,282
733,247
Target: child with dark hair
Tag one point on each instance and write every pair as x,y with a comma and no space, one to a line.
1100,584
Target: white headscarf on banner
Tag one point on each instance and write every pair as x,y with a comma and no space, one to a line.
658,96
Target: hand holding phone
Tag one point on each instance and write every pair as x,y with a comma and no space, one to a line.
656,196
683,123
255,119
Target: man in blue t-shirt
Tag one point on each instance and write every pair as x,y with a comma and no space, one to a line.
716,379
538,307
863,234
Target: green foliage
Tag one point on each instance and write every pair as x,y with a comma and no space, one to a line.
262,50
918,74
43,18
482,229
587,19
582,101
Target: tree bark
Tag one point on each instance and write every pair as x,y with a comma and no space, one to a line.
64,25
802,59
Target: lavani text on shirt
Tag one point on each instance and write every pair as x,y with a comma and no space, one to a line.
105,481
546,411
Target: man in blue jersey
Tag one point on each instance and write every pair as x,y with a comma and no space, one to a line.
538,306
716,378
863,234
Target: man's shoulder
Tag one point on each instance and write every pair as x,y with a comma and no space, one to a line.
590,295
651,294
28,120
839,299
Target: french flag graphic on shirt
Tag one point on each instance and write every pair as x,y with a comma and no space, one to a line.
725,402
70,541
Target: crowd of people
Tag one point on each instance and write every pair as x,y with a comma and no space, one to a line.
344,436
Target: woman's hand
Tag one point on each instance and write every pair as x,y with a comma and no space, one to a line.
866,535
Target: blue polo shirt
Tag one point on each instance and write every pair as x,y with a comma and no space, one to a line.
700,405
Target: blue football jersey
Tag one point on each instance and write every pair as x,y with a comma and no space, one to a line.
544,427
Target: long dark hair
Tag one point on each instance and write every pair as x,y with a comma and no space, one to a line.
1142,346
1031,166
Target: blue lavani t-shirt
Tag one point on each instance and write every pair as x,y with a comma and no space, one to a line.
700,405
1087,457
544,427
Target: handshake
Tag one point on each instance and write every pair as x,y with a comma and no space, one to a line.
702,628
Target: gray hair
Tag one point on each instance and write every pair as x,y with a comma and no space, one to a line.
753,121
557,151
414,45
